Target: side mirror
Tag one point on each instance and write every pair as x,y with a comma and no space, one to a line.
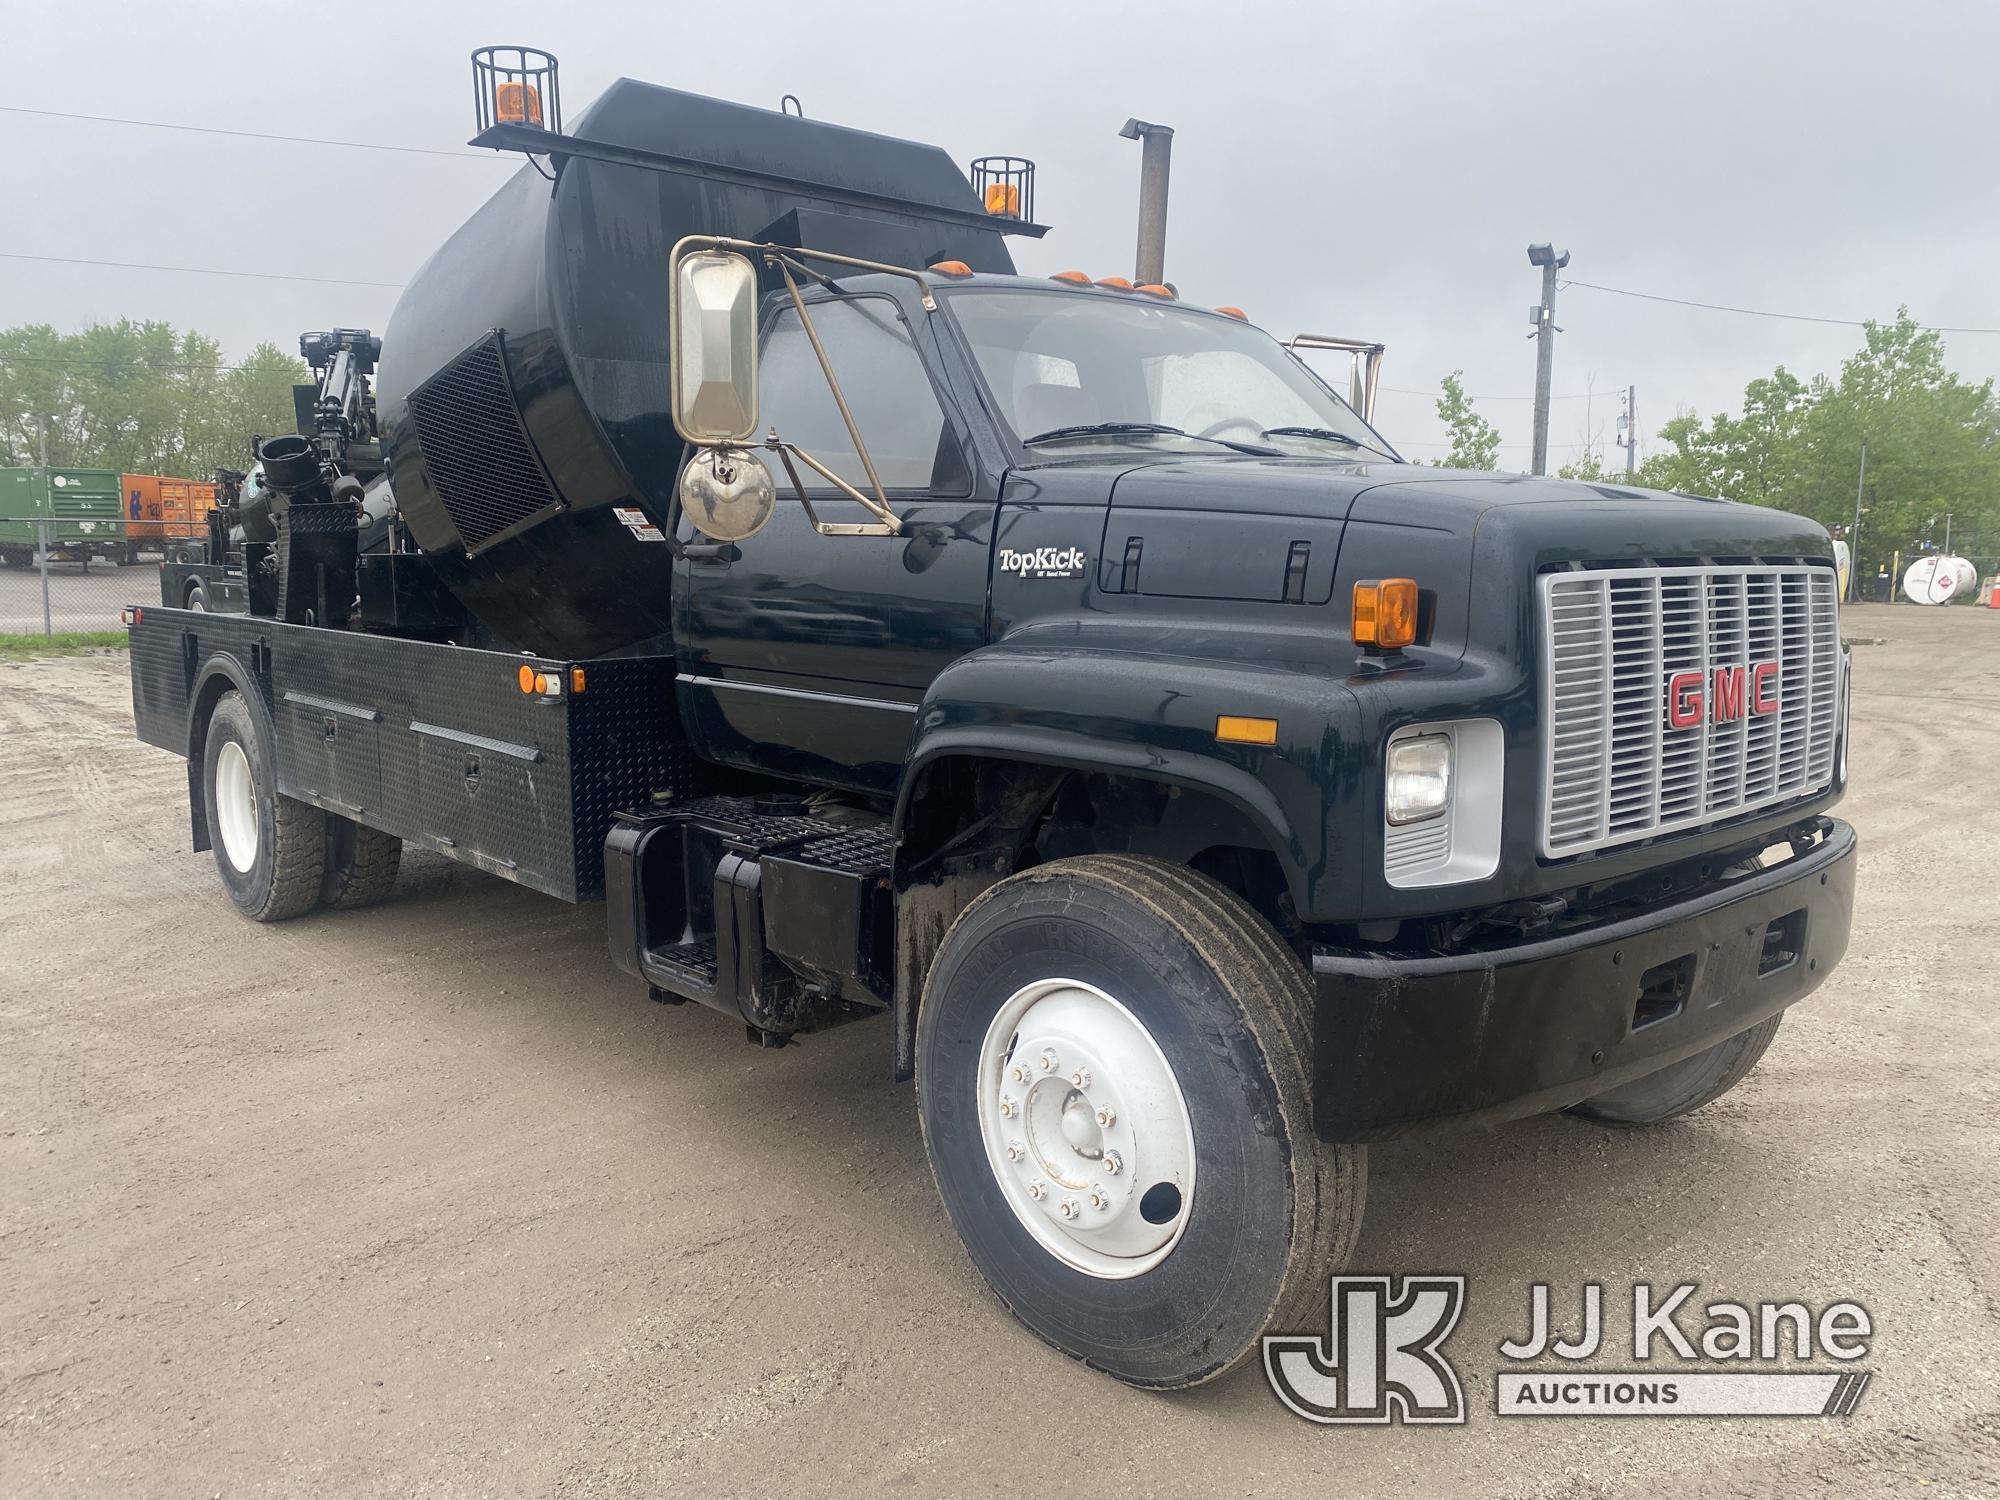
712,316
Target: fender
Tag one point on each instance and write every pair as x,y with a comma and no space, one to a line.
219,672
1154,716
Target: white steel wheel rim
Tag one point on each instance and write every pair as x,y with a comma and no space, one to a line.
1086,1129
236,806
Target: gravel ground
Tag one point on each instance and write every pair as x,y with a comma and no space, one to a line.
427,1200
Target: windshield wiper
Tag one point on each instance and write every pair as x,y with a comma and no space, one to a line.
1096,429
1329,434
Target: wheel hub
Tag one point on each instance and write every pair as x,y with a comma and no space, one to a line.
1086,1129
236,806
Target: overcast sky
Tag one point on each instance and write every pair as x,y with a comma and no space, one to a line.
1367,170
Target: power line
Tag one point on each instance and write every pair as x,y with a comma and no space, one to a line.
1475,396
144,365
133,265
1756,312
249,135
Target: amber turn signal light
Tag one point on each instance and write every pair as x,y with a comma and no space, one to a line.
1385,613
1238,729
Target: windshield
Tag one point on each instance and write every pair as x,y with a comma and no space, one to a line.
1071,370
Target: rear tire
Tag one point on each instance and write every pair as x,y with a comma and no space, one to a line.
361,864
197,596
1685,1086
269,849
1187,1019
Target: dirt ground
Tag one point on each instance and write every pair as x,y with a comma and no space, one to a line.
427,1200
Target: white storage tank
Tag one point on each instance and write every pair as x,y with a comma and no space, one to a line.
1939,579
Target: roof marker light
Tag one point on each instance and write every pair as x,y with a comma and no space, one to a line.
1234,312
1074,278
951,268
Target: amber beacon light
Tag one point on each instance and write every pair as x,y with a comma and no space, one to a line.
1385,613
516,86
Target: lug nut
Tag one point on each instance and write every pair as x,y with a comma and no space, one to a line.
1112,1162
1038,1189
1107,1117
1006,1108
1015,1151
1068,1209
1048,1061
1019,1075
1099,1198
1081,1078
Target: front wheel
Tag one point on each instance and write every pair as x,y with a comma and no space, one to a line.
1112,1080
1685,1086
269,849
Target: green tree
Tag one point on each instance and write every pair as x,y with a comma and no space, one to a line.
138,397
1475,442
1933,447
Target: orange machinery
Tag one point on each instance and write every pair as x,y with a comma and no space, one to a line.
162,512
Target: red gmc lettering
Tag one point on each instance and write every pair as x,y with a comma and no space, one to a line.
1729,684
1684,700
1763,688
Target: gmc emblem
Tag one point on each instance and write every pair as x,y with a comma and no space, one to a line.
1723,695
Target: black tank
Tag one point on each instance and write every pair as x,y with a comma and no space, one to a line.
523,381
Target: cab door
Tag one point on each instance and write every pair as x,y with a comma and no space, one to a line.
806,655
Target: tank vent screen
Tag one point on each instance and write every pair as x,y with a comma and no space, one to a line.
479,457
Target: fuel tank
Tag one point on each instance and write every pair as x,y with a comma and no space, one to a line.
523,383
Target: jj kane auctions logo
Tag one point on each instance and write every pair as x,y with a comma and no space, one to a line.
1382,1360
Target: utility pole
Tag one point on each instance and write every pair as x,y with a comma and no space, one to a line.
42,524
1543,316
1628,429
1155,164
1854,532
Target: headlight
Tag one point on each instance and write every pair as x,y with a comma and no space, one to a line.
1419,778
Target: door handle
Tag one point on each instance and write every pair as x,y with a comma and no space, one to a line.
714,554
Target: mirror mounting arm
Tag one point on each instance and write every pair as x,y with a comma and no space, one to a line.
879,505
887,522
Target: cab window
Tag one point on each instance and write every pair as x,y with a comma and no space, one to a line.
886,388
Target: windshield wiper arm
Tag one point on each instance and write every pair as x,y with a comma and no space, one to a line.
1095,429
1327,433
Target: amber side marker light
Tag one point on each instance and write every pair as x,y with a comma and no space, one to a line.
1385,613
526,677
576,679
1238,729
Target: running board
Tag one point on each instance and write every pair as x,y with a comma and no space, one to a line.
754,907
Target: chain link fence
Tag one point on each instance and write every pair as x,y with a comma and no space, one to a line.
60,576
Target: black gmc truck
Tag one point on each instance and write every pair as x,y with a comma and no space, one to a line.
1056,669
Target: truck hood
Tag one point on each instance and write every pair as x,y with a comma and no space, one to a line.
1286,529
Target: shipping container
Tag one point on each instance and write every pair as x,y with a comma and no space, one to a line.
165,515
83,510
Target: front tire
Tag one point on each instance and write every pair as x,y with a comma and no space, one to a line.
1185,1206
1685,1086
269,849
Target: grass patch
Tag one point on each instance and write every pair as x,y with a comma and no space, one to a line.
62,643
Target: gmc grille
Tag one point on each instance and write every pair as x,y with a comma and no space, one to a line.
1674,697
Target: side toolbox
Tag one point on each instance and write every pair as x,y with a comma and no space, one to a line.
439,745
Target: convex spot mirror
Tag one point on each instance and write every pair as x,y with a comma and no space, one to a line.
727,493
712,318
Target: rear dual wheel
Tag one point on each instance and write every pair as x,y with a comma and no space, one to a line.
279,857
1112,1080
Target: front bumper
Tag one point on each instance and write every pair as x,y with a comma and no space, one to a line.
1410,1044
